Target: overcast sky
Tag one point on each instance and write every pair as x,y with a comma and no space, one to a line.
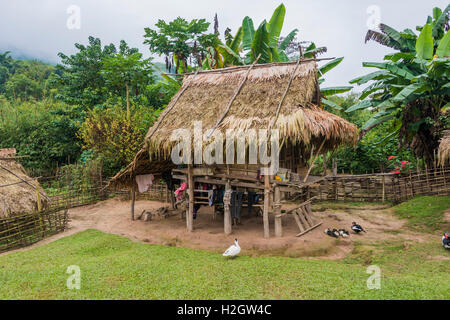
38,28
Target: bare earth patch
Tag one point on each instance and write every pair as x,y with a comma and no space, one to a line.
113,216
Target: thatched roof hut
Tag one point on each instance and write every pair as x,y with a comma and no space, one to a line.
283,96
17,190
444,149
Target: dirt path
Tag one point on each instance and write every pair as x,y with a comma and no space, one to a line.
113,216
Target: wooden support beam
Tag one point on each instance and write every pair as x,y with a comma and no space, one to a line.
266,206
277,211
227,213
190,211
133,200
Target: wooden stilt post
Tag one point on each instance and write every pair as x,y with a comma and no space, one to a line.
133,200
383,181
324,164
277,206
266,205
227,212
190,213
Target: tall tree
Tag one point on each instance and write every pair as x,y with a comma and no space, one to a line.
128,70
180,41
80,75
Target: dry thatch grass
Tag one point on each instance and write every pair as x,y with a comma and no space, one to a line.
444,149
205,96
300,119
16,199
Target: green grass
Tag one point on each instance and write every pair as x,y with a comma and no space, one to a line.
425,213
113,267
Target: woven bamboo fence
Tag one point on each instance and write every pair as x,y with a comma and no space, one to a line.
24,230
381,187
156,192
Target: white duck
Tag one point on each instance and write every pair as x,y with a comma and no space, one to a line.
233,250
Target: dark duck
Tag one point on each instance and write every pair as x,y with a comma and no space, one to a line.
357,228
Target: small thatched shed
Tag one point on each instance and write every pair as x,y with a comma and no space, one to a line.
18,193
444,149
283,96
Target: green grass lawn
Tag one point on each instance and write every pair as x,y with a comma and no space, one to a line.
113,267
425,213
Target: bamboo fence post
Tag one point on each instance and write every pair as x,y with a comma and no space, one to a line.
428,181
277,211
383,182
343,188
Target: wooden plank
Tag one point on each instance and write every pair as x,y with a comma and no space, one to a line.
299,224
313,227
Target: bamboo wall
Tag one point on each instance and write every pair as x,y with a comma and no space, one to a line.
24,230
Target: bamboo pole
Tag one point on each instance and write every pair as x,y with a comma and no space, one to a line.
313,160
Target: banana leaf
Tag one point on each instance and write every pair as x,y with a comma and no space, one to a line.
443,49
376,75
260,44
425,43
248,33
331,104
380,117
275,25
329,66
392,67
286,41
440,23
361,105
329,91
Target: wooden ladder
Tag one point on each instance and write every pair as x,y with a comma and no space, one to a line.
304,217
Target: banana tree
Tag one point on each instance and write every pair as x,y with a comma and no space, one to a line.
411,88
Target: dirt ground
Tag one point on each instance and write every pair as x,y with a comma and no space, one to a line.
113,216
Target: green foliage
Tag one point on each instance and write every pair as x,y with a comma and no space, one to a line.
80,76
372,152
409,90
44,132
114,137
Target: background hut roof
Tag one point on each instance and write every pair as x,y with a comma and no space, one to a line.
444,148
204,97
16,196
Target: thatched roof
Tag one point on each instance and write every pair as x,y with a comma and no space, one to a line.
16,196
444,149
204,96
